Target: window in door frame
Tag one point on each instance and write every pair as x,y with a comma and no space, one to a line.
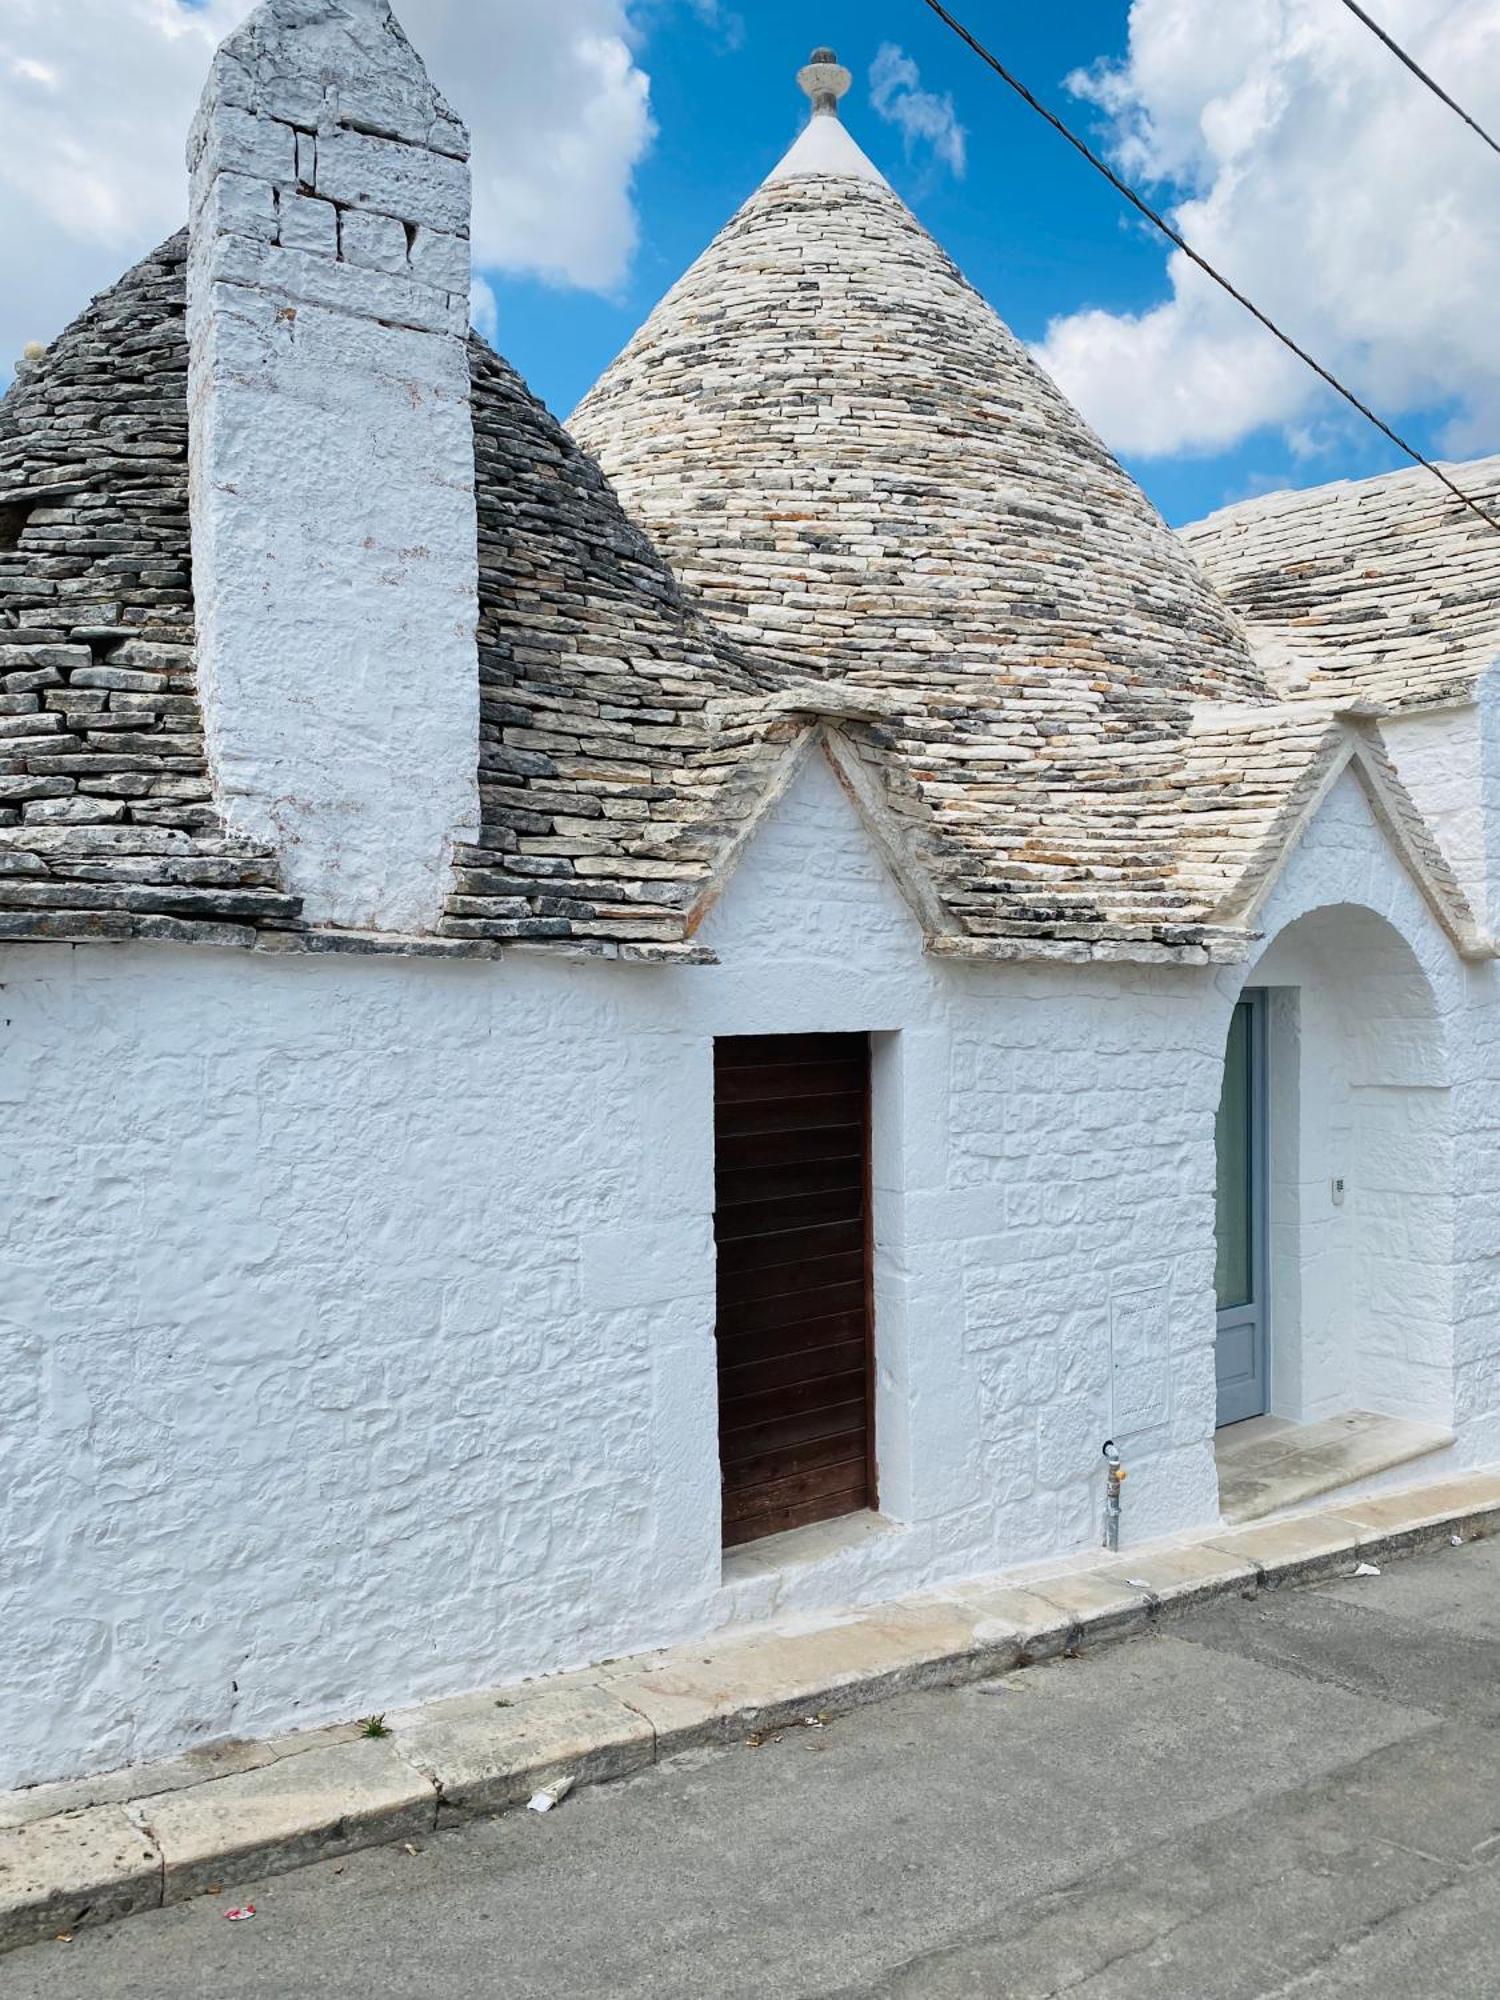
1255,1312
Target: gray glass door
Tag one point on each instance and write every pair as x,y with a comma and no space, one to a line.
1240,1200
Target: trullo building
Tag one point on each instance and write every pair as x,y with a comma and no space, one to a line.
607,1030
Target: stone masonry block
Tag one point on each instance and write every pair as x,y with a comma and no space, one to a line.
440,259
376,241
237,142
240,205
308,224
299,276
359,171
648,1265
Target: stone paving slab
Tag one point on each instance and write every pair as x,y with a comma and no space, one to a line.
1100,1602
1296,1551
301,1808
1284,1467
485,1752
1396,1522
157,1834
223,1759
1007,1617
78,1867
724,1689
1174,1579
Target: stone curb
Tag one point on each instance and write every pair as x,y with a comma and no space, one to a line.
90,1851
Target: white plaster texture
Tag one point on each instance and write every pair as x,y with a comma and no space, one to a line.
1439,755
825,146
1449,760
358,1313
1384,1073
332,459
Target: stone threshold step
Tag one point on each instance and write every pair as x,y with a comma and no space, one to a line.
1269,1465
98,1848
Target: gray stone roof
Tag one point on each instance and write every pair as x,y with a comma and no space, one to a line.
857,471
1384,590
601,795
107,821
604,791
842,450
902,545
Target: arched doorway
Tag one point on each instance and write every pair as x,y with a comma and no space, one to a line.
1335,1190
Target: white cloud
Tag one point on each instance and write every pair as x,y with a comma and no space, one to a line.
921,116
96,97
1319,176
728,25
484,308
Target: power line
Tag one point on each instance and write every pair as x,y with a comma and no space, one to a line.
1136,202
1417,70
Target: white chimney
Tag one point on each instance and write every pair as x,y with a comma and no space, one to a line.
335,566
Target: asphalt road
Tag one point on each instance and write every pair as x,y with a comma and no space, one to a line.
1297,1795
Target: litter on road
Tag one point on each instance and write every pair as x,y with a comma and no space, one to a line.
549,1796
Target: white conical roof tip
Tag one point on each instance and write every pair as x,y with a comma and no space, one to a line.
825,147
825,81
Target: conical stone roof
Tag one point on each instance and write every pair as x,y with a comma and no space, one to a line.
920,556
857,466
861,477
605,791
108,824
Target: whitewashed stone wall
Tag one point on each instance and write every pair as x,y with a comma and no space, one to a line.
356,1341
1390,1078
1442,759
332,459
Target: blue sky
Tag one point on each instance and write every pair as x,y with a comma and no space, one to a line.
1287,141
1031,224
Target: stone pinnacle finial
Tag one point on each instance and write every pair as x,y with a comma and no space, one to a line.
825,80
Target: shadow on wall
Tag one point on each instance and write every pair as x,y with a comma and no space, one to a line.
1361,1280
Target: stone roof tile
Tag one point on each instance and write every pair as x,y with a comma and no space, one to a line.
1384,590
861,472
108,826
1052,726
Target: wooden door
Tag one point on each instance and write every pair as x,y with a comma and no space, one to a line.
792,1225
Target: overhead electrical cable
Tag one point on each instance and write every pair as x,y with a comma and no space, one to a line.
1172,236
1417,71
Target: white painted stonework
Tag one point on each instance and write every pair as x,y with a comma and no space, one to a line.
333,459
357,1325
1449,760
824,146
384,1365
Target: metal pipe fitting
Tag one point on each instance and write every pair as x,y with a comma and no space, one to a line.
1114,1481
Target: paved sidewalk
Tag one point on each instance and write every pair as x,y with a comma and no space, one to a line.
134,1840
1296,1794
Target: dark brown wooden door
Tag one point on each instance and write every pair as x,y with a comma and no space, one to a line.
792,1205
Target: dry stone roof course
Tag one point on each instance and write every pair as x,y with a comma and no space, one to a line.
858,472
605,790
896,537
1382,590
846,455
107,821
